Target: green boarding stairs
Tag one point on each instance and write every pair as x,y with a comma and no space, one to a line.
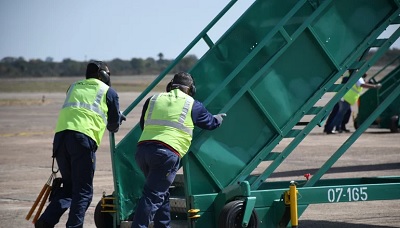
267,72
389,118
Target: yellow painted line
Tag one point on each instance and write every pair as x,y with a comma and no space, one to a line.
25,134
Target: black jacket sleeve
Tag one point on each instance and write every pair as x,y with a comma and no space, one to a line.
146,104
202,118
114,119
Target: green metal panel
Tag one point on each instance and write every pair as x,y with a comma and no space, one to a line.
128,178
346,24
266,72
372,98
264,96
270,206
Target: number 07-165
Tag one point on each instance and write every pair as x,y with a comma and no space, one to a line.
349,194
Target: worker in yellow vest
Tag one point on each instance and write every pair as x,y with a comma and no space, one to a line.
90,107
342,126
167,120
349,99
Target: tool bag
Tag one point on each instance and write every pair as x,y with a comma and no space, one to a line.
56,186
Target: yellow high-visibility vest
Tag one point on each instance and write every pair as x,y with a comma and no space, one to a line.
353,94
85,109
168,119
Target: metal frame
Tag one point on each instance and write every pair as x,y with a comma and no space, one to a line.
245,187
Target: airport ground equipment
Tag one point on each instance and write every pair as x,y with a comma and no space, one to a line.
267,72
389,118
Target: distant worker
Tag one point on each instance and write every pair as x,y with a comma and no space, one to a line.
90,106
167,121
349,99
342,126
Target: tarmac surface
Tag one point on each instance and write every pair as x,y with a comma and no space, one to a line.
27,122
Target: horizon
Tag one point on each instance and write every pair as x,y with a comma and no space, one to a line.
125,29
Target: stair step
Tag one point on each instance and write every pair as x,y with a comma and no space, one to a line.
272,156
314,110
379,42
396,20
292,133
335,87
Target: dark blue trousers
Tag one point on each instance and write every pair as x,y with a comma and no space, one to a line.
159,165
343,108
342,125
76,158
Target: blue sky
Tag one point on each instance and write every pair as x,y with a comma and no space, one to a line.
100,29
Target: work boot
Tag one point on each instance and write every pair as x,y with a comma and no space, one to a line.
344,130
42,224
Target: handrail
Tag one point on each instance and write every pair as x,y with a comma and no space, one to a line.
387,65
201,35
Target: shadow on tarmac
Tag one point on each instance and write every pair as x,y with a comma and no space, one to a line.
327,224
346,169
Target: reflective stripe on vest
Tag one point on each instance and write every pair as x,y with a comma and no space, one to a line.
178,125
85,109
168,119
95,107
353,94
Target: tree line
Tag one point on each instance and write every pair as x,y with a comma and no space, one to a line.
11,67
19,67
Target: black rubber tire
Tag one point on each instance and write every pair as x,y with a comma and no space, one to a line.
232,214
394,128
102,219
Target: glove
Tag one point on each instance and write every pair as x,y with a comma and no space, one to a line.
122,117
379,85
220,117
